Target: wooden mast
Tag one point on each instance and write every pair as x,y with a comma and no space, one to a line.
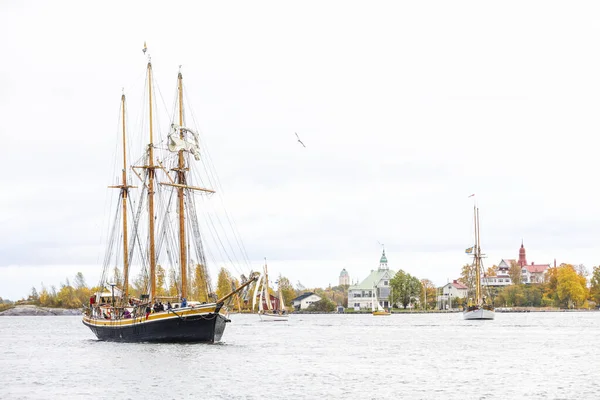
124,193
180,195
477,257
151,172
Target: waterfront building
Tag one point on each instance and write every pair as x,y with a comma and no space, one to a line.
344,277
502,278
303,301
449,292
377,284
530,273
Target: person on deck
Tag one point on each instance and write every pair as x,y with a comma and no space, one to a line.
183,302
169,306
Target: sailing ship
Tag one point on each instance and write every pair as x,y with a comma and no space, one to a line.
266,310
478,307
376,308
167,186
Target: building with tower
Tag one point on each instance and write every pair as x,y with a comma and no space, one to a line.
344,277
377,284
530,273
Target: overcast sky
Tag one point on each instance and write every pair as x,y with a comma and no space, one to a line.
405,110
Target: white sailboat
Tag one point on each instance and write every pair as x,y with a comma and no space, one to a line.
478,308
376,308
268,313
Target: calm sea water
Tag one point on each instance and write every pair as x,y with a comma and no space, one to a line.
413,356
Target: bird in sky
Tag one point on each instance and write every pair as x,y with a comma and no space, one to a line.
300,141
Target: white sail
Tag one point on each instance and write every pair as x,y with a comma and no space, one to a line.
257,285
281,303
373,301
177,144
267,297
260,301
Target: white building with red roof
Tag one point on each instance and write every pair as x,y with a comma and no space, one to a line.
450,291
530,273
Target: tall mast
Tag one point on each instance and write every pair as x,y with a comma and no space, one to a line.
267,286
124,191
124,187
477,257
180,194
151,171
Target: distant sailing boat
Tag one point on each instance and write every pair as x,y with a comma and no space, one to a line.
376,308
478,308
170,205
270,313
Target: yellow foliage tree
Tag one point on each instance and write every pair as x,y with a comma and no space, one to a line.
571,288
200,284
161,289
223,283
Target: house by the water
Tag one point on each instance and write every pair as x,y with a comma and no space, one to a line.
530,273
360,296
303,301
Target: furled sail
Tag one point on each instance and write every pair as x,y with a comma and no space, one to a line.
177,144
257,285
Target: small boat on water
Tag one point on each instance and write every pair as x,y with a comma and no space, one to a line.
164,226
268,310
478,307
376,308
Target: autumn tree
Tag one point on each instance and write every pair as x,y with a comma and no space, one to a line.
223,283
428,294
161,289
200,283
287,290
491,271
571,288
141,283
173,285
467,277
515,273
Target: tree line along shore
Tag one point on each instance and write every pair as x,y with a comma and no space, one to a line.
564,287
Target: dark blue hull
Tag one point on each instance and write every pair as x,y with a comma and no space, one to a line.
198,328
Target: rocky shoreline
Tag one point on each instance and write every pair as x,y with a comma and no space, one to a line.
29,310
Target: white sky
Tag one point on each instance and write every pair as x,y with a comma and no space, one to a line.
405,109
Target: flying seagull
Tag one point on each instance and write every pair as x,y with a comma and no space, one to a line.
299,139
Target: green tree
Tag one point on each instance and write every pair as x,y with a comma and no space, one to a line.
323,305
406,288
595,285
515,273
